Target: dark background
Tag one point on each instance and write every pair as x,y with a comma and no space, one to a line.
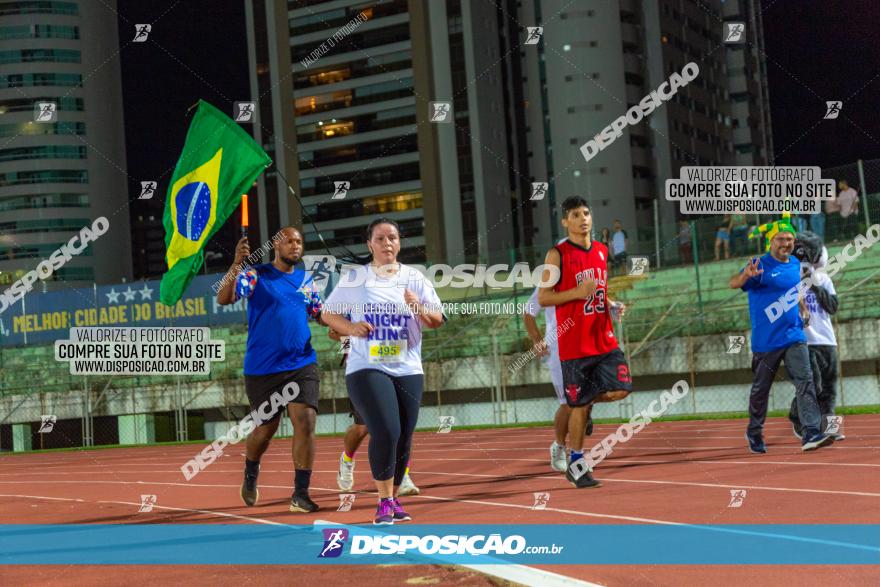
816,51
196,49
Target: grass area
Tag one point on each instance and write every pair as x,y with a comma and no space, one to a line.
842,411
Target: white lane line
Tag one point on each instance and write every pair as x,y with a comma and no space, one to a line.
263,469
754,462
155,506
525,575
496,476
686,483
632,445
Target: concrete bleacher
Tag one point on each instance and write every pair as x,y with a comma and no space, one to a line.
31,369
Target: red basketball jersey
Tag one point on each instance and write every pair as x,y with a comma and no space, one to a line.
589,331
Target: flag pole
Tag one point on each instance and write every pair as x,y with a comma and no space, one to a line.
244,216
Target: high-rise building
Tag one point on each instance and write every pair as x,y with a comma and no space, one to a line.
747,85
597,59
60,165
347,95
528,83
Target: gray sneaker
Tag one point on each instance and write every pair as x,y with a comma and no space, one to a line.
815,441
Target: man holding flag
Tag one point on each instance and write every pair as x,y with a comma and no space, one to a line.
281,299
219,162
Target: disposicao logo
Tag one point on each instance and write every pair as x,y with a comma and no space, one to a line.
334,542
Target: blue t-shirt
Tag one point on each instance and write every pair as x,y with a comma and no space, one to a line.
765,289
279,308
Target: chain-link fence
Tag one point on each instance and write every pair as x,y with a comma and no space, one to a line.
682,322
474,370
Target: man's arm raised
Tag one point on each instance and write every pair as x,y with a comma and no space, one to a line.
226,295
739,279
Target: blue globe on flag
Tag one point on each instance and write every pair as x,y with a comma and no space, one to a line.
193,209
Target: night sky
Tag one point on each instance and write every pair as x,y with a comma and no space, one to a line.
196,49
818,51
815,52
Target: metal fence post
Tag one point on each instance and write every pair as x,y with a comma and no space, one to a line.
836,325
864,192
695,247
692,369
657,232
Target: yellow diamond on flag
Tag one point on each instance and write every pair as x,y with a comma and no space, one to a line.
193,209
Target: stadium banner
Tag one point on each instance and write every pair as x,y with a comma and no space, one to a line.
328,543
45,317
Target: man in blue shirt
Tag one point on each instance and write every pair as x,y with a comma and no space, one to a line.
777,336
279,357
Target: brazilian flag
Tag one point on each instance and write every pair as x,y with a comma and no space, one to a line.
218,164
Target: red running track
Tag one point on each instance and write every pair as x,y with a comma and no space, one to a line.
671,472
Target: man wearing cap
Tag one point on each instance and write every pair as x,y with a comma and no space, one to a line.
778,337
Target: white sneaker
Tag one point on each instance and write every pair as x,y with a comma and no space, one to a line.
345,476
558,458
407,487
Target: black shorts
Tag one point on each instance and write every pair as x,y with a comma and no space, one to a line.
259,388
358,419
587,377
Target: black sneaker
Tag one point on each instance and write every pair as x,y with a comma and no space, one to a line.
797,428
584,481
302,503
249,492
756,443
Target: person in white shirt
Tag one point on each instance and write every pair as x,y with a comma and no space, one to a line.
822,302
546,346
389,304
619,243
848,201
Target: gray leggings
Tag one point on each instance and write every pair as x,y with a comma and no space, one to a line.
390,407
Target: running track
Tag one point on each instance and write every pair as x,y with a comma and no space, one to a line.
671,472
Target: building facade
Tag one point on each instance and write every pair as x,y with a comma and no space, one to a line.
527,83
598,59
346,93
57,170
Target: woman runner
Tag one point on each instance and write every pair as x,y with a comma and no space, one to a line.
389,304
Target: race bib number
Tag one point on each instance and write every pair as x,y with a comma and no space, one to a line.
387,351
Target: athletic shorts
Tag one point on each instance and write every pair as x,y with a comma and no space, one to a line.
587,377
723,235
352,411
259,388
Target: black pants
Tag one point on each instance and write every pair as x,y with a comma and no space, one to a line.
823,361
797,363
390,407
